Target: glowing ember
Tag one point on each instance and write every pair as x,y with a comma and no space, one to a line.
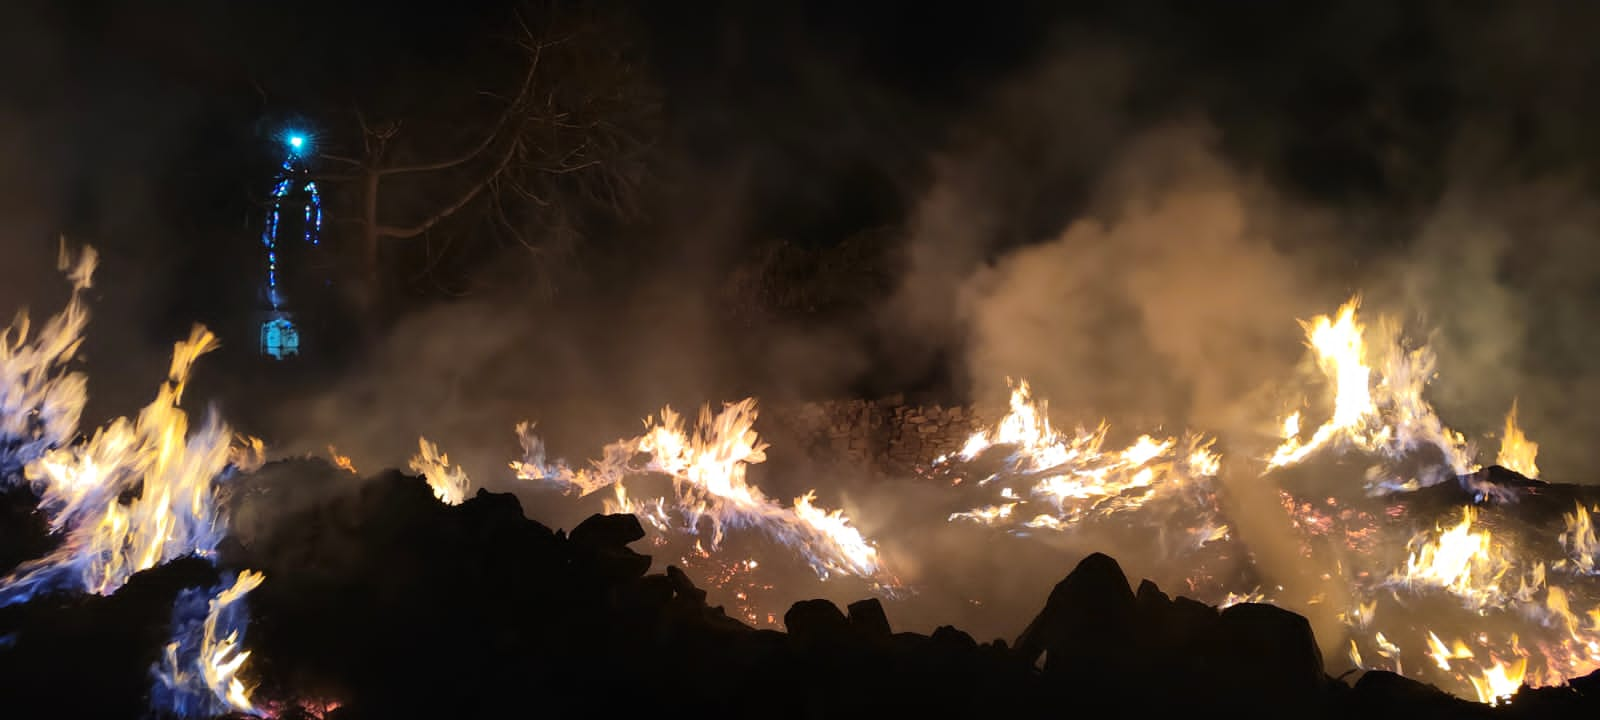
739,579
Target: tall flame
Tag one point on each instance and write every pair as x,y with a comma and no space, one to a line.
1578,539
449,482
174,513
198,675
41,402
136,494
1377,397
1517,452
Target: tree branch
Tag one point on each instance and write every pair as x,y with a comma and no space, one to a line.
447,211
340,159
490,137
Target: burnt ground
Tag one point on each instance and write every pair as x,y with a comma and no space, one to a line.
394,605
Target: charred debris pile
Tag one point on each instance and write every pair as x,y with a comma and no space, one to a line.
385,603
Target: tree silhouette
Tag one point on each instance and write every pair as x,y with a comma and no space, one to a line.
526,166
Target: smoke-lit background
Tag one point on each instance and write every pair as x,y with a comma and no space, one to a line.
1128,203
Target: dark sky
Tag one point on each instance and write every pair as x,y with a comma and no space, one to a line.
144,128
855,94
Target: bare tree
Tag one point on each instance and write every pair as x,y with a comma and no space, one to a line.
567,140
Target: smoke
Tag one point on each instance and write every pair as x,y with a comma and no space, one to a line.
1168,301
1502,273
1166,294
1137,246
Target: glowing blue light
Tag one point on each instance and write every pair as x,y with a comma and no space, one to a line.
279,337
297,142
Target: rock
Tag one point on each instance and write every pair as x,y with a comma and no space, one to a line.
1273,652
607,531
1087,628
811,620
1384,694
684,587
950,637
1150,596
868,618
1587,685
606,538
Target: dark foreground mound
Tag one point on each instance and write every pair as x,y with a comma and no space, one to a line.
388,604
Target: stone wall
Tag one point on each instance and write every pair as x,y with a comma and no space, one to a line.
881,437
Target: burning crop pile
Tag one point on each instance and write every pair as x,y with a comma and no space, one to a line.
1478,579
1405,546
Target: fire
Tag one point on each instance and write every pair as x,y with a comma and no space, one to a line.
1517,452
1442,655
1377,397
1467,563
1072,475
174,514
343,462
1237,598
1377,407
1500,681
1341,353
134,495
1583,549
708,463
199,671
223,653
141,492
449,482
736,578
41,402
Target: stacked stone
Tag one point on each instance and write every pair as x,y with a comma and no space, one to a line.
885,437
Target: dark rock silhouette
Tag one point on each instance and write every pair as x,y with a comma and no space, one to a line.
868,619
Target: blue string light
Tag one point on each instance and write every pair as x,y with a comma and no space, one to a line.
279,337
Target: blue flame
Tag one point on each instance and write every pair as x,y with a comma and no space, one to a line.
201,618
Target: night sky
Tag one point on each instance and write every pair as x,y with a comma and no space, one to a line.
146,129
835,106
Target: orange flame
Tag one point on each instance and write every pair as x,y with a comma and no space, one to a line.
708,463
1517,452
449,482
1073,474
